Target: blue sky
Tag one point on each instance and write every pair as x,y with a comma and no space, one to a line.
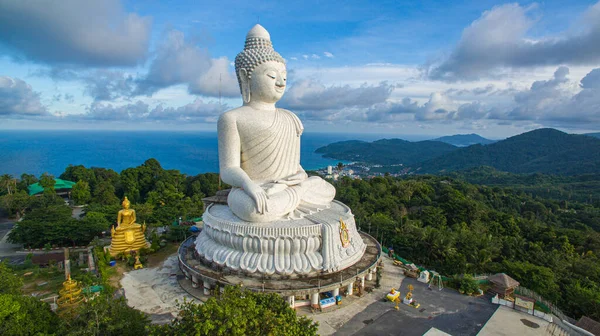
389,67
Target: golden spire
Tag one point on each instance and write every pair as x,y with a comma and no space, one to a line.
70,295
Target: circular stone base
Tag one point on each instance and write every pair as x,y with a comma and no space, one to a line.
205,276
324,241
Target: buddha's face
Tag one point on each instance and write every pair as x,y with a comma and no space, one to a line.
126,205
268,82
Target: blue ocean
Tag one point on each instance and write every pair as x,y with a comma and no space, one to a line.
37,152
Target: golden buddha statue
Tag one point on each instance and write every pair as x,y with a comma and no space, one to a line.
128,236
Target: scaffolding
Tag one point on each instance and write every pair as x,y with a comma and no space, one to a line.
436,280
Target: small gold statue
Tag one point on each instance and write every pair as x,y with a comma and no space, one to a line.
128,236
138,263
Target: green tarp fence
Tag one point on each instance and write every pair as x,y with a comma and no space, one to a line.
93,289
406,262
421,268
197,219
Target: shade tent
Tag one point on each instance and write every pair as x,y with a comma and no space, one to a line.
503,284
59,184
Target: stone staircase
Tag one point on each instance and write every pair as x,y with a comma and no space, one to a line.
555,330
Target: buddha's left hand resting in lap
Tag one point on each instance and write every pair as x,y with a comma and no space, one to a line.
259,144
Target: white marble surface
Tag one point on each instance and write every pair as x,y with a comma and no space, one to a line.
286,247
278,220
259,144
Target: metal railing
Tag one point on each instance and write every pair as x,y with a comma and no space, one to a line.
553,309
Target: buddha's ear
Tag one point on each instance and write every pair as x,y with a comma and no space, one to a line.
245,85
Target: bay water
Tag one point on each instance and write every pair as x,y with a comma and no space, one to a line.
37,152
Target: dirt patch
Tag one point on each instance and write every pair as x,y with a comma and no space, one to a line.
116,274
157,258
154,290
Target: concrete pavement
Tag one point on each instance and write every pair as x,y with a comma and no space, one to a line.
440,312
7,250
508,322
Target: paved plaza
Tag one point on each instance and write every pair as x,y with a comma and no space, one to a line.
507,322
446,311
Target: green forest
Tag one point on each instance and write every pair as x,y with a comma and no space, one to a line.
446,224
543,230
159,197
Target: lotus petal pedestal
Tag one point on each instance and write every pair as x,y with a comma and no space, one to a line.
324,242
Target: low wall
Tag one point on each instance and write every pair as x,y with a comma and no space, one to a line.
303,286
510,304
301,303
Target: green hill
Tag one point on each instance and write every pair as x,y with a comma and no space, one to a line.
464,140
579,188
386,151
544,151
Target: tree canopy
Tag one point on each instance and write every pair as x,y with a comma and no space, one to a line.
19,314
106,316
54,225
455,227
239,311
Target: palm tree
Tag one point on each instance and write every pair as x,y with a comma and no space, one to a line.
8,182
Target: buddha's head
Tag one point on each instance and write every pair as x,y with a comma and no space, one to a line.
126,203
260,69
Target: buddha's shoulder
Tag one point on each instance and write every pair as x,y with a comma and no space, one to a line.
291,114
234,114
286,111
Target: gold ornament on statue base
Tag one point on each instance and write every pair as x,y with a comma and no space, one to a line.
344,234
128,236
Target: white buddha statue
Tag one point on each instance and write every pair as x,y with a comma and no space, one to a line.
259,144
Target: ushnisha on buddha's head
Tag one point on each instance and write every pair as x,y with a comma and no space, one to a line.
126,203
260,69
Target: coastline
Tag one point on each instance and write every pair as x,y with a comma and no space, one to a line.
192,153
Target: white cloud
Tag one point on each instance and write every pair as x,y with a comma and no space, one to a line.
498,40
328,54
107,85
197,111
17,99
560,101
308,95
555,102
179,61
94,33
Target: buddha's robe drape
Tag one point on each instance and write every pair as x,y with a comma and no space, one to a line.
274,153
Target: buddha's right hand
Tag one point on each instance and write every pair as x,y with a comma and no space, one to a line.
258,194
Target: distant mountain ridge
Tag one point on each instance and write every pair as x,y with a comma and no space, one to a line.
386,151
464,140
595,135
545,150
